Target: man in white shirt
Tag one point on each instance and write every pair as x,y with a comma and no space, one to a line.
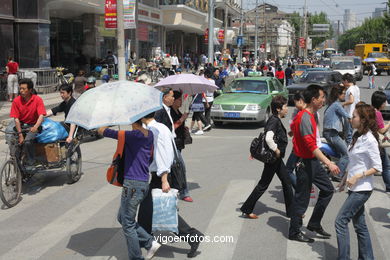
163,156
208,100
352,97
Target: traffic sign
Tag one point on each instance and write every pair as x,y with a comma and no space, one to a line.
240,41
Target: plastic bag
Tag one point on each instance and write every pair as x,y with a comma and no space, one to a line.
165,211
51,131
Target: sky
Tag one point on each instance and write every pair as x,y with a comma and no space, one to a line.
334,8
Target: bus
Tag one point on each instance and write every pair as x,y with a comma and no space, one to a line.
328,52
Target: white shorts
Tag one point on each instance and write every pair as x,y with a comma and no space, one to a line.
13,85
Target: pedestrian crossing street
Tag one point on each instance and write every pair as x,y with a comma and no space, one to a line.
56,237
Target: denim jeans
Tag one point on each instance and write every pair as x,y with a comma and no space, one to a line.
310,172
290,166
349,132
353,208
385,169
371,82
333,138
184,192
133,193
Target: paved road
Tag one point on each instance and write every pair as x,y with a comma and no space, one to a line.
59,221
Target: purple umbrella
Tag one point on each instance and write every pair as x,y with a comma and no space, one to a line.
188,84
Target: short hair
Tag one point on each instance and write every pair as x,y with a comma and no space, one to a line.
378,98
298,96
177,94
66,87
277,103
30,84
209,72
166,91
348,77
312,91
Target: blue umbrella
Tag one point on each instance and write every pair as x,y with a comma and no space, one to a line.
116,103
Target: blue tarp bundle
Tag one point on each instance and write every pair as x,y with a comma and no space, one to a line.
51,131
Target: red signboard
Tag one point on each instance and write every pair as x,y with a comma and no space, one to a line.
143,32
206,36
302,42
110,14
221,35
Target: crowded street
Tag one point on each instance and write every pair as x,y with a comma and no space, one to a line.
55,220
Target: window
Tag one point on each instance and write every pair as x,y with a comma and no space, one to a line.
6,41
271,86
6,7
27,9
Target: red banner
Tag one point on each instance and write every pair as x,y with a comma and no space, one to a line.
206,36
221,35
110,14
302,42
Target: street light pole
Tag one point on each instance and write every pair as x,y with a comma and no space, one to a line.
120,41
211,31
256,29
241,33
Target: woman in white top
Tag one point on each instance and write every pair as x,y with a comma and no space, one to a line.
364,162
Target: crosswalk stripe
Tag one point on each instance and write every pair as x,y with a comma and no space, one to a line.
225,222
376,206
295,250
29,201
37,244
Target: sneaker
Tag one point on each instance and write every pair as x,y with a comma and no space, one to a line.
153,249
207,127
194,131
199,132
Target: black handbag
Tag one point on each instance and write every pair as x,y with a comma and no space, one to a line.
176,177
187,136
260,150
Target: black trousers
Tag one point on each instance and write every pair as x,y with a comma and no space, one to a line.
145,213
207,113
268,173
310,172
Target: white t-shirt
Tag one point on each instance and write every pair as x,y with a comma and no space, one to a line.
355,91
364,156
209,94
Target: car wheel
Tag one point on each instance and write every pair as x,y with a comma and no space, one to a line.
388,72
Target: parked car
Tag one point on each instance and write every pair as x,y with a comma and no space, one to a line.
386,111
299,69
326,79
246,100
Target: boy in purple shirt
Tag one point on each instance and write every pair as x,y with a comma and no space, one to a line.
138,153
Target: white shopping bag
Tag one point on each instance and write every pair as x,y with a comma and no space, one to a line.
165,211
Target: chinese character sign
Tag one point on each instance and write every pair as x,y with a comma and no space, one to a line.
110,14
129,14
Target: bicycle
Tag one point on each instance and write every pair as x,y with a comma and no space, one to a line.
57,155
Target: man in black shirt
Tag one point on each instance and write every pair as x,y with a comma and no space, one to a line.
289,74
66,92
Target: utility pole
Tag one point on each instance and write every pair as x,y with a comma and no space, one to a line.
241,33
226,25
265,32
120,41
211,31
256,29
305,30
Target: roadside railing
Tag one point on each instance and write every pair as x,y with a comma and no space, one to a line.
45,80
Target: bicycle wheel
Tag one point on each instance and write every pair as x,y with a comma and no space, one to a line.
73,165
10,183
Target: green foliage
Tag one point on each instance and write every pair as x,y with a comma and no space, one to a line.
296,21
375,30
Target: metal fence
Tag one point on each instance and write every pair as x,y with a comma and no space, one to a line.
45,80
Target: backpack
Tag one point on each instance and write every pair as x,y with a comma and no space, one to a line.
260,151
116,171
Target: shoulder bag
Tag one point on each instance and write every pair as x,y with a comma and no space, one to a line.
176,177
260,151
116,171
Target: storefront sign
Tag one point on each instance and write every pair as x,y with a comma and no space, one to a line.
143,32
129,14
110,14
302,42
221,35
143,12
206,36
155,16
